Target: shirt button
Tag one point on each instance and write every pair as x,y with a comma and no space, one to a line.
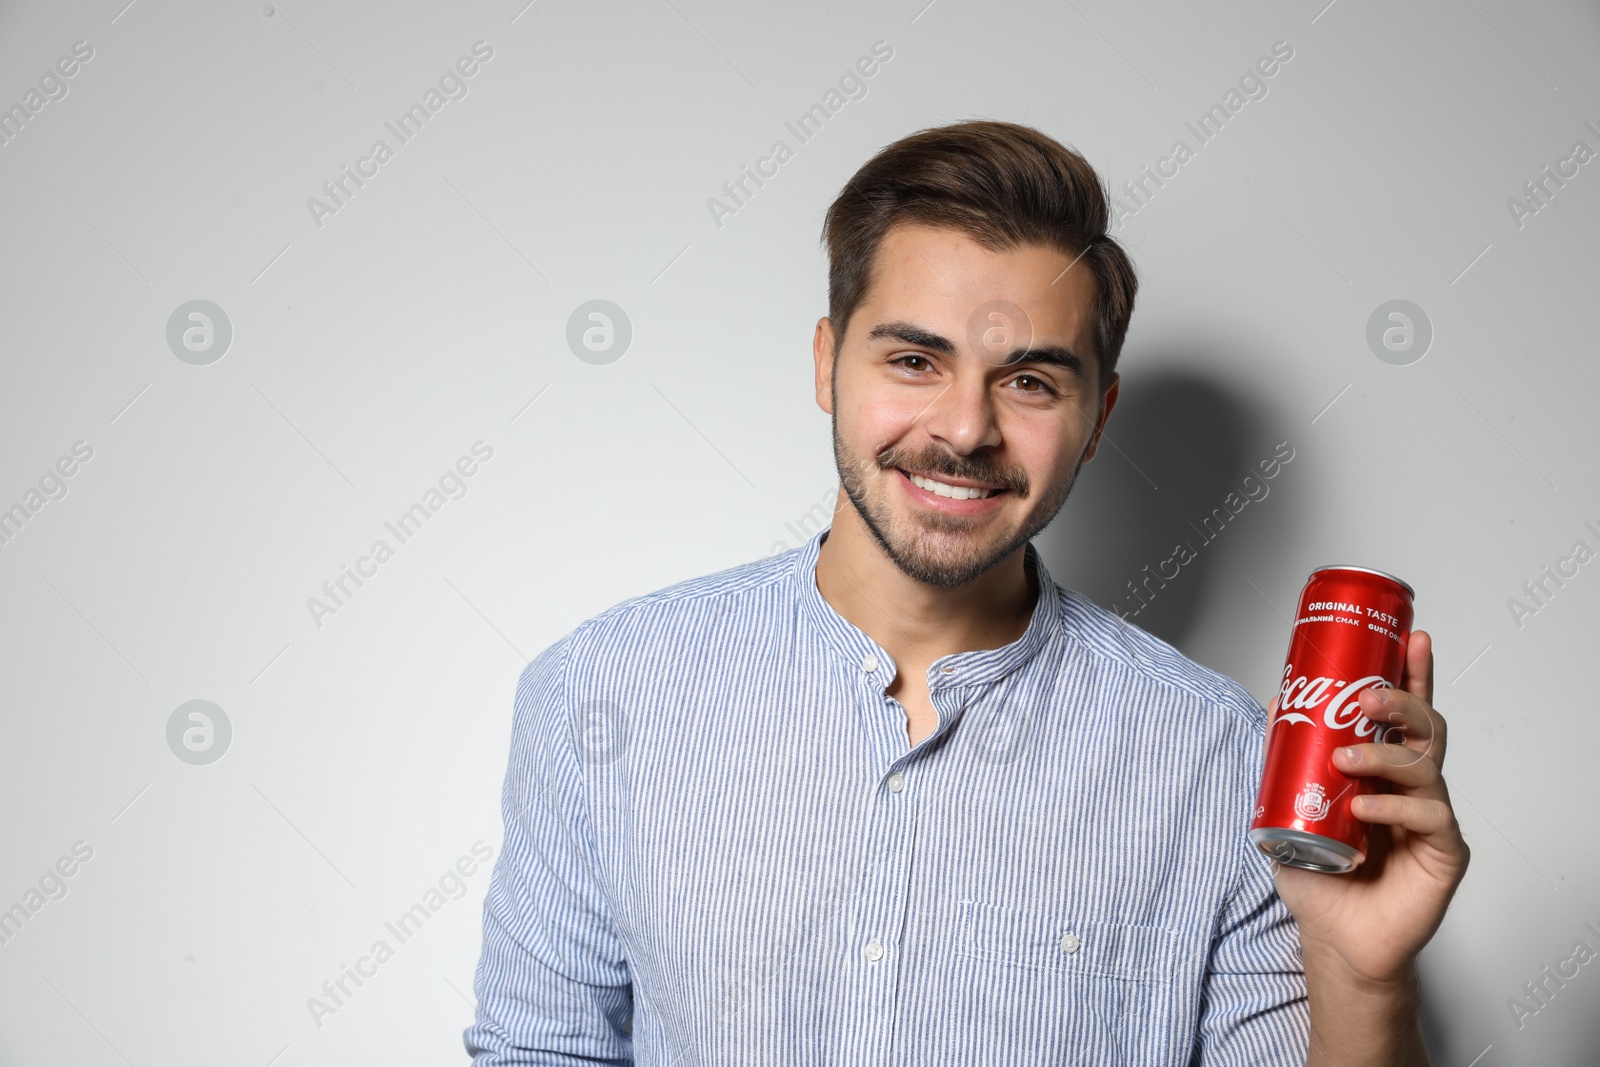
897,782
1070,944
873,951
869,663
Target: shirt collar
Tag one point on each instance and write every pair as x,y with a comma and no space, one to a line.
958,669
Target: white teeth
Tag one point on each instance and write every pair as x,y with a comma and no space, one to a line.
954,492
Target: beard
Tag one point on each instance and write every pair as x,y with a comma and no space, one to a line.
944,551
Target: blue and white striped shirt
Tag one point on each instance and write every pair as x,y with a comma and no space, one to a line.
721,850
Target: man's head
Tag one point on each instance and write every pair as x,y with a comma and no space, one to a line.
977,305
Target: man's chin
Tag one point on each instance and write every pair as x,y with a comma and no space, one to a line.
944,557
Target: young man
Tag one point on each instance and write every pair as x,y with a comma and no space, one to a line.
894,797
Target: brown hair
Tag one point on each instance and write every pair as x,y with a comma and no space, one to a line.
1003,185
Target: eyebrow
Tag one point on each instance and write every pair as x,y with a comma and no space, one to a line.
1048,355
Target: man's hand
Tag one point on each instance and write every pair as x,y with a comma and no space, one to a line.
1360,933
1376,919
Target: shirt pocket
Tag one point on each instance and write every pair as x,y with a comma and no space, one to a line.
1046,986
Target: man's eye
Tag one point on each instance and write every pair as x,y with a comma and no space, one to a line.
902,360
1030,378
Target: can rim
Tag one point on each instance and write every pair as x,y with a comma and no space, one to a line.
1369,570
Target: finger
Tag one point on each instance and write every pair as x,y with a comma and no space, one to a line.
1417,674
1432,819
1410,721
1419,776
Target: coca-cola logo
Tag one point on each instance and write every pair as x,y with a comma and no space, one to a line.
1342,712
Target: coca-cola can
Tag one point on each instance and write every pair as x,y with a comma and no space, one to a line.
1350,633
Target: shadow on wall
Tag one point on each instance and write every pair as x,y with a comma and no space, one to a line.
1176,446
1440,1048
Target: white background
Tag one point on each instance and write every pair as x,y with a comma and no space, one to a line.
430,312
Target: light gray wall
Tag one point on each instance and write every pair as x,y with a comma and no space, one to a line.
430,312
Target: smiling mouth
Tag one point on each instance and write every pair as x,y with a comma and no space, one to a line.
946,489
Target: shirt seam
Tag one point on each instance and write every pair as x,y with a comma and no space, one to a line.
674,594
568,746
1206,695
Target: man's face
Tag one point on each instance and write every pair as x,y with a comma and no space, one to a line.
928,383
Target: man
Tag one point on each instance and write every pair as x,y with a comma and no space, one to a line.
894,797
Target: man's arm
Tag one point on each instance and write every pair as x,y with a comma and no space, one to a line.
1354,1021
1254,1009
552,983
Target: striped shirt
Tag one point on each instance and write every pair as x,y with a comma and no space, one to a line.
721,849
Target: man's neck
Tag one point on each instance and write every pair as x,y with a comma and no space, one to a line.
914,622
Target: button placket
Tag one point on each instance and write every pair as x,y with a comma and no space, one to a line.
880,903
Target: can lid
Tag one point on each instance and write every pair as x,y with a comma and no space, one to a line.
1369,570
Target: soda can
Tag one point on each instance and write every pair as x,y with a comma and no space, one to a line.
1350,633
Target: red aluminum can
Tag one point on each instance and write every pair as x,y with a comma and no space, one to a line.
1350,633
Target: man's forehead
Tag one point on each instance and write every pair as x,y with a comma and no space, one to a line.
946,282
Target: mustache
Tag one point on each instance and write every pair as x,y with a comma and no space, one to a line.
938,463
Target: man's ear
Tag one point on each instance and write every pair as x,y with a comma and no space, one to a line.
1107,401
822,351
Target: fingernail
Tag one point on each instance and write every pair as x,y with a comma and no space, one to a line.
1383,696
1352,754
1360,804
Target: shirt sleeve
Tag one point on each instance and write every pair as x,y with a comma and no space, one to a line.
552,983
1254,1008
